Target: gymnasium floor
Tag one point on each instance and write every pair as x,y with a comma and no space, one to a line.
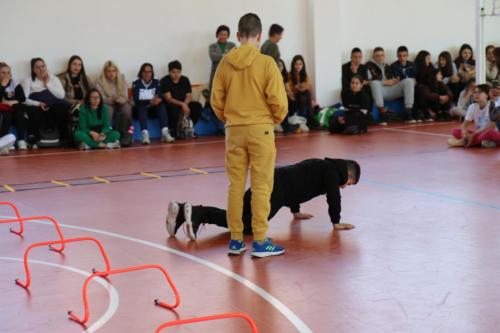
424,257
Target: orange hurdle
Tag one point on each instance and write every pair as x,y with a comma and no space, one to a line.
21,221
64,241
208,318
119,271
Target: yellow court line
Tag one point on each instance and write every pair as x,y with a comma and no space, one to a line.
9,188
152,175
102,180
57,182
199,171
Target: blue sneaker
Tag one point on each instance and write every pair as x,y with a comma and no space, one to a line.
236,247
266,248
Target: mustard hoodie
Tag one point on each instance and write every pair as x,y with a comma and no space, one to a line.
248,89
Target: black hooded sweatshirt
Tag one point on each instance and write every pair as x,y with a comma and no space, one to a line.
299,183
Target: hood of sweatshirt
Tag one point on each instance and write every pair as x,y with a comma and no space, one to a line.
341,167
242,57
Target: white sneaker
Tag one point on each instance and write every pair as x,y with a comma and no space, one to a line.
278,128
6,142
145,137
113,145
488,144
454,142
21,145
303,127
34,146
383,123
429,120
411,121
84,146
165,135
173,212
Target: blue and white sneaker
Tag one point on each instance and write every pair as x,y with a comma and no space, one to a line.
236,247
266,248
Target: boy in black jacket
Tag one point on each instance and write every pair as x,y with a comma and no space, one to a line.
293,185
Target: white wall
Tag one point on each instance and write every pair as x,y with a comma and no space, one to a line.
132,32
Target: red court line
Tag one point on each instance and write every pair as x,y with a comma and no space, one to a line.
85,319
209,318
64,241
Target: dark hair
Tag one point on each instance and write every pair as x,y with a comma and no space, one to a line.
484,88
447,70
354,169
32,63
275,29
100,107
402,49
303,72
471,81
284,73
429,77
222,28
359,77
420,60
459,60
249,26
497,56
174,65
489,47
82,75
143,67
356,50
377,49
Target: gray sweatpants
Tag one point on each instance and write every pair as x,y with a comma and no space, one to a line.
405,88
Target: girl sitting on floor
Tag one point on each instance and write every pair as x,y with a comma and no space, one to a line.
485,133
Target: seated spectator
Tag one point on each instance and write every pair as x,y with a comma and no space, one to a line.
447,68
113,88
147,97
354,67
218,49
466,66
385,85
94,125
299,90
270,46
11,103
403,68
491,65
433,97
7,141
495,80
45,106
356,117
495,109
75,82
176,92
423,65
465,99
477,128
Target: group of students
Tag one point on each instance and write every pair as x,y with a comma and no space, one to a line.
45,106
430,91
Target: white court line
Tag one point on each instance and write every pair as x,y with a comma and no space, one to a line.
285,311
114,299
417,132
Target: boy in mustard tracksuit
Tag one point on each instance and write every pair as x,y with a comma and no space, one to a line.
249,97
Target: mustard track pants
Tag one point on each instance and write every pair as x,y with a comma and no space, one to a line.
254,146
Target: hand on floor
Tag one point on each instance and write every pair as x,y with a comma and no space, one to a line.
302,216
343,226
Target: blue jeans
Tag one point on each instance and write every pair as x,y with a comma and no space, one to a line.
161,112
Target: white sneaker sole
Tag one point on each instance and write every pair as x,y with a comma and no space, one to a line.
237,252
266,254
173,212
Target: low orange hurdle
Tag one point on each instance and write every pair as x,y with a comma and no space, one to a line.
120,271
64,241
209,318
